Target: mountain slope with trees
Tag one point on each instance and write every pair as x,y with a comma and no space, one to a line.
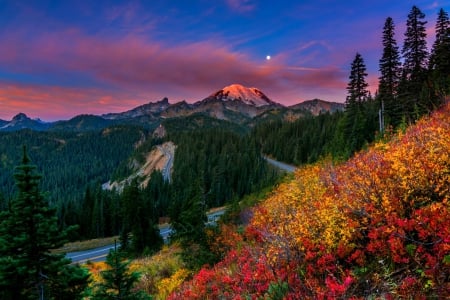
28,232
375,226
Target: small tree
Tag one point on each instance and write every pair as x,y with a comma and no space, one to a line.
139,221
189,224
28,231
118,281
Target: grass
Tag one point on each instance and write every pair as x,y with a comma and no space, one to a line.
86,245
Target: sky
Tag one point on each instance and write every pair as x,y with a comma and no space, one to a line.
59,59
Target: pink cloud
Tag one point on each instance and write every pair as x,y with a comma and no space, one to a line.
129,71
53,102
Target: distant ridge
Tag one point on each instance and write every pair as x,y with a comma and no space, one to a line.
317,106
234,103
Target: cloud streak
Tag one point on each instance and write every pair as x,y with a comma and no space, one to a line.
241,6
132,70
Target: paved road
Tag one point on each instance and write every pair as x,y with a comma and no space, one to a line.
281,165
169,163
99,254
93,255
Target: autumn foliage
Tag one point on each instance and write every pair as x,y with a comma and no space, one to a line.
377,226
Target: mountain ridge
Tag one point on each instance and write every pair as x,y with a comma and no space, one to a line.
235,103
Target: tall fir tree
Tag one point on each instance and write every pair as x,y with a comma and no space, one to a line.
357,86
139,221
440,56
3,203
390,69
28,231
188,219
414,71
355,106
117,280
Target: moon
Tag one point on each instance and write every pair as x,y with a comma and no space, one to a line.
268,57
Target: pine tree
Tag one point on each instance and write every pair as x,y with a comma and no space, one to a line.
414,73
3,203
357,86
188,224
139,220
440,56
358,95
28,231
118,282
390,69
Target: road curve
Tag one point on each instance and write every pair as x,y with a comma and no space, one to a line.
93,255
168,165
99,254
281,165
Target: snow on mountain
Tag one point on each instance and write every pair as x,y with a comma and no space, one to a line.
250,96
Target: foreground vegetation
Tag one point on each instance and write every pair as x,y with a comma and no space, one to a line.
375,226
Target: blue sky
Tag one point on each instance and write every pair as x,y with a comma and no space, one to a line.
62,58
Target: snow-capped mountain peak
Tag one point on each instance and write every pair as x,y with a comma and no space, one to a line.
250,96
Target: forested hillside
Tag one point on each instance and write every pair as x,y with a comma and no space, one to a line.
375,226
214,165
69,161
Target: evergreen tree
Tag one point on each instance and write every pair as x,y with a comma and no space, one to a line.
28,231
139,220
440,56
3,203
358,96
357,86
390,69
188,220
117,280
414,73
87,208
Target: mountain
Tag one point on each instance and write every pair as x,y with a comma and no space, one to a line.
249,96
317,106
151,108
81,123
234,103
22,121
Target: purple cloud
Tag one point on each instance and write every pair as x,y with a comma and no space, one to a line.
241,6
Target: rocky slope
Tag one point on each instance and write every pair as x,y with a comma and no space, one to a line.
160,158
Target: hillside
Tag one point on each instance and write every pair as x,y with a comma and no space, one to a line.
376,226
70,162
160,159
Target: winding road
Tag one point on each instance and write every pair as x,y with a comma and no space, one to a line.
93,255
99,254
168,165
281,165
